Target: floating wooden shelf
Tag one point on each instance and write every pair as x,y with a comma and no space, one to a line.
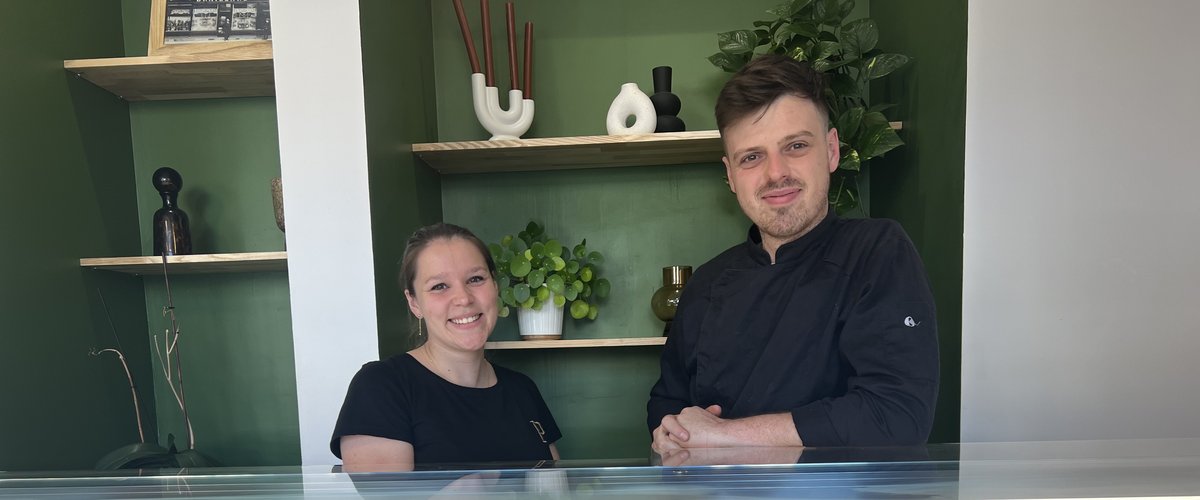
577,343
561,153
564,153
161,78
193,264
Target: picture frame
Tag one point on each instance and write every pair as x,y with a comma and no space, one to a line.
234,29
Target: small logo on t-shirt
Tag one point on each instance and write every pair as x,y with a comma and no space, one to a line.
910,322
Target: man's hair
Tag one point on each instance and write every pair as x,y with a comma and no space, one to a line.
765,79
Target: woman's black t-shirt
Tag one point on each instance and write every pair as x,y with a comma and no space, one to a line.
398,398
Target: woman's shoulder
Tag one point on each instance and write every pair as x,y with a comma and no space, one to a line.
510,376
393,369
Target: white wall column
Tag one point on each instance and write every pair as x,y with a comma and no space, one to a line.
323,153
1081,285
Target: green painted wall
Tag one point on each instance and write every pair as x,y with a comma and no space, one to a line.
405,194
66,191
236,342
641,218
921,184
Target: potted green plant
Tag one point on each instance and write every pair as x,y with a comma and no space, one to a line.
845,52
540,277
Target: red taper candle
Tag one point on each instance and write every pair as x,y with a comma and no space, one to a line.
512,46
466,34
485,13
528,60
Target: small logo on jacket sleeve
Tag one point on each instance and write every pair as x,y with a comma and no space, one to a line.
910,322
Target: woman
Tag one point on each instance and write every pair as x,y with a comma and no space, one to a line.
443,402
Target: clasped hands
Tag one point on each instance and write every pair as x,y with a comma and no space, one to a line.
694,427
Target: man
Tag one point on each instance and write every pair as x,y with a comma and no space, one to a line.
816,331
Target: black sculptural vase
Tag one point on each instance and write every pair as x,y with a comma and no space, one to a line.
171,233
666,104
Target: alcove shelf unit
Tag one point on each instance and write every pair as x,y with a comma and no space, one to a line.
577,343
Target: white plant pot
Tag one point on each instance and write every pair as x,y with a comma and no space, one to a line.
544,324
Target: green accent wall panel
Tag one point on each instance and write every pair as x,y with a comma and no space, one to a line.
227,151
583,52
66,192
921,184
597,395
238,365
405,194
238,368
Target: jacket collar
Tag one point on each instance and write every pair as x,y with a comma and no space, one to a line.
793,249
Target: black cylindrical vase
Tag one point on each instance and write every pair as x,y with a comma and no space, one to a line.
666,104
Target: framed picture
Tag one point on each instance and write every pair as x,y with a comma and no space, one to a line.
235,28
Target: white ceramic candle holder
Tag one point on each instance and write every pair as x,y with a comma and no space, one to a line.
504,124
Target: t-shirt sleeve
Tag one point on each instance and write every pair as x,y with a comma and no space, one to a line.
375,405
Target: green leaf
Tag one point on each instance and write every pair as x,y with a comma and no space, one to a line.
877,140
587,291
848,123
875,119
729,63
543,294
573,267
537,249
595,258
737,41
787,31
827,12
495,250
503,312
579,309
533,230
536,278
601,287
577,285
571,294
843,85
860,36
553,248
519,267
559,301
556,284
585,274
506,241
559,263
825,50
519,246
789,9
508,297
593,311
503,282
849,160
882,64
521,293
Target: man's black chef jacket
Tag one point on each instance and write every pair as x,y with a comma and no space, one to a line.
840,331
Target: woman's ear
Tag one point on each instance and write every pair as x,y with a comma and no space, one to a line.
412,304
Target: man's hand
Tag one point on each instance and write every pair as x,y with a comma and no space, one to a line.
673,434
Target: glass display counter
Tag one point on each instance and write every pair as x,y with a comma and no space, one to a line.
1067,469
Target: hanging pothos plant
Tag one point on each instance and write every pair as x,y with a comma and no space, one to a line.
845,53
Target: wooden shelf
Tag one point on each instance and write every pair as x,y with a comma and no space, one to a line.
561,153
564,153
160,78
193,264
577,343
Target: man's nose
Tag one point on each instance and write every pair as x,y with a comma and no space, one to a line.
776,167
